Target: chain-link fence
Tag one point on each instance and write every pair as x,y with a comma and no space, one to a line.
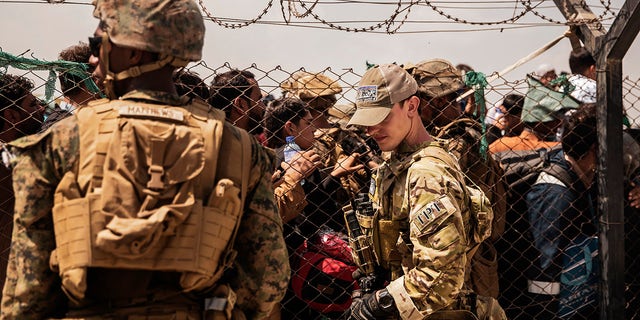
547,257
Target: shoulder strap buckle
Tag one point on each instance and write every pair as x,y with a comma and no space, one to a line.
156,172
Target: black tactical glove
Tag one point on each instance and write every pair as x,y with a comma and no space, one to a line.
368,282
369,306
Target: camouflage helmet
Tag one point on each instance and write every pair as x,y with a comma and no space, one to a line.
436,78
341,113
306,85
168,27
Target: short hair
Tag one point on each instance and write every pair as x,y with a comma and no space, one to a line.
13,89
580,131
278,112
513,103
188,83
464,68
580,60
228,86
76,53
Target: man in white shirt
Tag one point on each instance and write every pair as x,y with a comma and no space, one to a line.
583,78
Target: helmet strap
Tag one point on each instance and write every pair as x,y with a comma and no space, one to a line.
132,72
104,61
136,71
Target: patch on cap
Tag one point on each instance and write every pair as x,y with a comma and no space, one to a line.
367,94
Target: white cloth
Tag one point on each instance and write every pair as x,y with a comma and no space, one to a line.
585,90
493,113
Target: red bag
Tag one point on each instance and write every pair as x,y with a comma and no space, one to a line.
323,273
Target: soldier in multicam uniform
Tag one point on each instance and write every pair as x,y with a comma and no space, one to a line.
333,142
438,82
421,230
133,267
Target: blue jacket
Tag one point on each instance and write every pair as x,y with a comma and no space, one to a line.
557,213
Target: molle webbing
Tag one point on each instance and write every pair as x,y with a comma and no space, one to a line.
196,241
479,205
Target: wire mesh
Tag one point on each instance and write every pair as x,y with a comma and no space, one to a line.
529,281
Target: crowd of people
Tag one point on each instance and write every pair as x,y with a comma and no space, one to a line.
164,197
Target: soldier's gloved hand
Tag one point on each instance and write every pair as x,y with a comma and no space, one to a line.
368,306
356,275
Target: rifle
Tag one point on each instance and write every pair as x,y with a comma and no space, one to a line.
361,247
353,143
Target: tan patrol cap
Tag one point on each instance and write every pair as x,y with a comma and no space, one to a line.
306,85
379,89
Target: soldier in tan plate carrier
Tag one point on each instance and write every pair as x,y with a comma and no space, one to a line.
140,206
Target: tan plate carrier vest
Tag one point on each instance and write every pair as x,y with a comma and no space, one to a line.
384,233
137,200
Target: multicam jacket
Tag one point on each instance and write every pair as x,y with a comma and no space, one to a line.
33,291
423,220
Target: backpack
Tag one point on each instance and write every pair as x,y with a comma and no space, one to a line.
151,193
323,273
522,167
481,212
579,279
521,171
465,135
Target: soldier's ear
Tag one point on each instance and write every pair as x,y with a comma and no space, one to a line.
135,56
413,105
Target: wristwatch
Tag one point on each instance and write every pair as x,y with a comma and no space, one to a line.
386,302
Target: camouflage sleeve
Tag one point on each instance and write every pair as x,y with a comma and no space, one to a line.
263,263
434,277
32,290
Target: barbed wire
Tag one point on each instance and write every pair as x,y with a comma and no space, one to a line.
376,26
596,20
392,24
234,25
290,9
512,26
514,18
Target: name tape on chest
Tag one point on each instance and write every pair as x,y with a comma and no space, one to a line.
144,111
431,211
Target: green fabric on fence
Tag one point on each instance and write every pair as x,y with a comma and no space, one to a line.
563,81
543,104
478,81
77,69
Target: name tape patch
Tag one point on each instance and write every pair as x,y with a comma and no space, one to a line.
433,210
144,111
367,94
